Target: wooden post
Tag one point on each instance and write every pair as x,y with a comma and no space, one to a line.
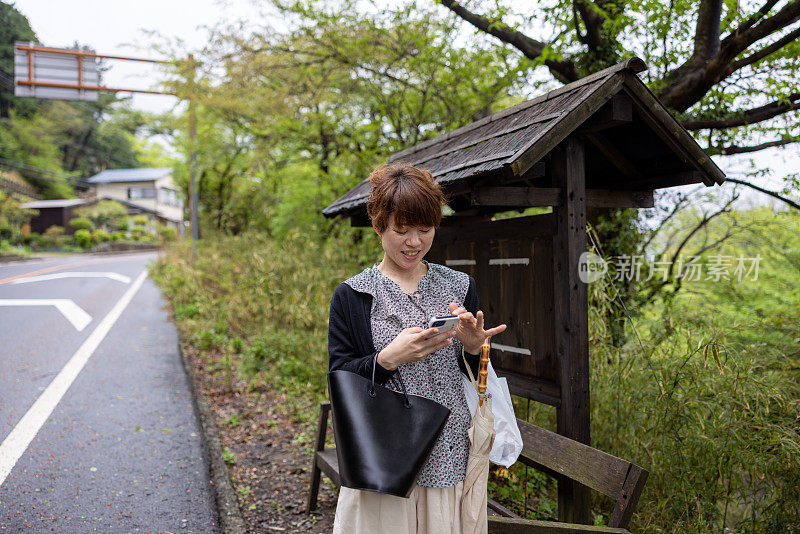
571,307
193,156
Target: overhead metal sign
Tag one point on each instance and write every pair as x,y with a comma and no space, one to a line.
50,73
64,73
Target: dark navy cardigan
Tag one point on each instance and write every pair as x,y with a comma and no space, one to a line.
350,345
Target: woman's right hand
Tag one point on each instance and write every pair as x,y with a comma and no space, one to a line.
412,345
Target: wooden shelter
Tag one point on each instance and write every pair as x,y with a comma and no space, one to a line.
602,141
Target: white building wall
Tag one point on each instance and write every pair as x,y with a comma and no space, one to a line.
171,212
119,191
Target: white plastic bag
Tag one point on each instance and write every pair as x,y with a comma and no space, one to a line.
508,441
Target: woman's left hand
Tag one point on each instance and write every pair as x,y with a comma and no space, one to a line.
470,330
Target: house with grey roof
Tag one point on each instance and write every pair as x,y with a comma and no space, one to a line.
56,212
147,191
151,190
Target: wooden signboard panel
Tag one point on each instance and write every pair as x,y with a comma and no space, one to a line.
514,278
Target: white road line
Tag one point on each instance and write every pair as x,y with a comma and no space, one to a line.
74,313
509,261
508,348
15,444
75,274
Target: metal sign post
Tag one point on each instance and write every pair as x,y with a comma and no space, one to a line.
72,74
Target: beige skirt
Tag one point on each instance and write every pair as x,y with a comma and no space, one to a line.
426,511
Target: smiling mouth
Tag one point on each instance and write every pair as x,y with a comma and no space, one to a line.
410,255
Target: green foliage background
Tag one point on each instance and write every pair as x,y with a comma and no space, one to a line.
710,403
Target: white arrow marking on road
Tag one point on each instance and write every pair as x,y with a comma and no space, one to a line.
15,444
114,276
74,313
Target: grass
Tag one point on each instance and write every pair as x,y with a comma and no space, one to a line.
257,309
709,405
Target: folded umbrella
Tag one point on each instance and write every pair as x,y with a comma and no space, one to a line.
474,519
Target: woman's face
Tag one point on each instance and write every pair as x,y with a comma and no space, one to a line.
405,246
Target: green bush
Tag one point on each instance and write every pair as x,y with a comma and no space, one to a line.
102,214
83,238
54,237
31,238
37,241
116,236
140,220
80,223
123,224
261,301
12,217
167,234
99,236
711,413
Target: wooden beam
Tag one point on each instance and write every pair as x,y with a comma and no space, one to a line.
526,197
473,231
615,156
668,129
516,196
658,182
612,198
496,507
513,525
618,110
599,470
542,315
631,491
537,170
530,387
571,314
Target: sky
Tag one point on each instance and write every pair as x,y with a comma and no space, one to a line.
115,27
119,28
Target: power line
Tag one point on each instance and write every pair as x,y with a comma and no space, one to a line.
82,148
7,81
40,173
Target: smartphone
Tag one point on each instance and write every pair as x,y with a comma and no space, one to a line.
443,322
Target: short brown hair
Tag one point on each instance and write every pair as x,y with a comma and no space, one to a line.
408,193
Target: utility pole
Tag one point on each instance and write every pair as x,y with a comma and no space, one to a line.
193,156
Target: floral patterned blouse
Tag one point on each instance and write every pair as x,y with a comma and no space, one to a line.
437,377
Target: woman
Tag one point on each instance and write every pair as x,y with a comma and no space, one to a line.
384,311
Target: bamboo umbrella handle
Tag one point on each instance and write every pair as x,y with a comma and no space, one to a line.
483,370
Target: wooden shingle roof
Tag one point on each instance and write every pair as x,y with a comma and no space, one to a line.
651,151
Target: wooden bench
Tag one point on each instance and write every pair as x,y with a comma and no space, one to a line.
552,453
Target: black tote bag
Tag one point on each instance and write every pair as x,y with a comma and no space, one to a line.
383,437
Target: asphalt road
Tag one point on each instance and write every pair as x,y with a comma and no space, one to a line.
98,431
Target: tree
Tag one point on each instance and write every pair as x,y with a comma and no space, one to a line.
27,145
727,69
92,136
13,27
103,213
308,112
13,216
53,142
